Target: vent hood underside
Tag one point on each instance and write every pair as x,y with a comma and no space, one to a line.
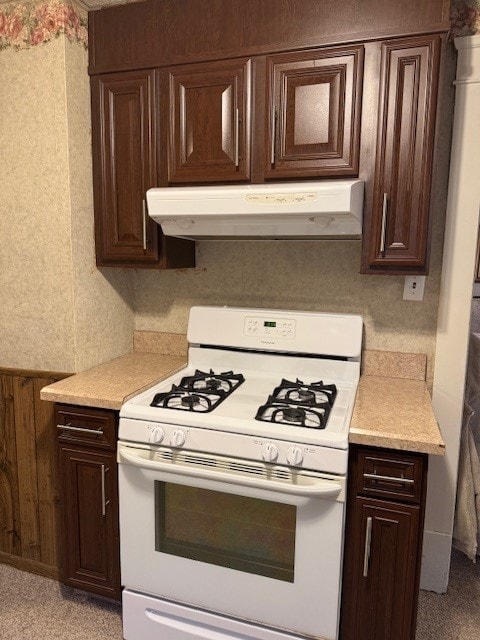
307,210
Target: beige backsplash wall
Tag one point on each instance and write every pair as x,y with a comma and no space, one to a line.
310,276
36,315
102,299
58,312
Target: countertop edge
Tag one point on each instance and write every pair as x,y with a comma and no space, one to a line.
373,439
96,403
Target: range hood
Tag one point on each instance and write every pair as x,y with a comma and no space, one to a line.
295,210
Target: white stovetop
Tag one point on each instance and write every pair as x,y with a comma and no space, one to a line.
262,374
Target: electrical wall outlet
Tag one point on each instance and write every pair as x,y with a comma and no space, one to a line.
414,288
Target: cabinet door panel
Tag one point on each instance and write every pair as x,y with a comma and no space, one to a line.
209,122
314,113
383,591
124,167
90,521
401,200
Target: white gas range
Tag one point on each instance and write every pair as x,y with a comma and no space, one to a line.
232,480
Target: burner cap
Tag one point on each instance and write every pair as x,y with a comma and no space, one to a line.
293,414
212,384
304,395
190,400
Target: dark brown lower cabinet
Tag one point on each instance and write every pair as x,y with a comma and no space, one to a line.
89,499
383,545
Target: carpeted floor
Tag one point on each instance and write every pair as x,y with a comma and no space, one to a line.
455,615
35,608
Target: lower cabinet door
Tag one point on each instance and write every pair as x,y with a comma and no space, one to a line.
90,521
381,590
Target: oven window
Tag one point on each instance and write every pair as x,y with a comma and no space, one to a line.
247,534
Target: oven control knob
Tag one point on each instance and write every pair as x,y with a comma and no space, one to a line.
270,452
294,455
156,435
178,438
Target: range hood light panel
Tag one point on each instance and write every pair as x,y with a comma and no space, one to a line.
328,209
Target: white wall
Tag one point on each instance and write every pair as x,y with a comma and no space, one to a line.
454,312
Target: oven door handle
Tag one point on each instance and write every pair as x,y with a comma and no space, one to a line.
316,487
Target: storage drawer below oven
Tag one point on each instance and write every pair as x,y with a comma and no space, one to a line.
155,619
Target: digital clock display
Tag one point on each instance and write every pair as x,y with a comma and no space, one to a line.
269,323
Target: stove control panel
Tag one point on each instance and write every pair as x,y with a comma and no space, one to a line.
263,327
269,450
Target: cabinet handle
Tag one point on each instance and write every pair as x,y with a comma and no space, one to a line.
384,224
144,220
368,542
374,476
274,127
68,427
237,138
104,502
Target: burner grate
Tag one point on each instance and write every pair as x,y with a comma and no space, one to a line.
201,392
299,404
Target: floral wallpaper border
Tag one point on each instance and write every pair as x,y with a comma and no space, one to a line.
464,17
27,25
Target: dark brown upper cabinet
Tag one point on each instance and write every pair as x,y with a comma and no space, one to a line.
124,166
397,240
155,33
125,149
314,104
209,122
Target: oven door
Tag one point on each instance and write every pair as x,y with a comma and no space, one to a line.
245,539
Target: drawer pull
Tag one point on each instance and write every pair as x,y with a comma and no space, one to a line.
368,543
384,225
68,427
274,133
144,224
374,476
237,136
104,501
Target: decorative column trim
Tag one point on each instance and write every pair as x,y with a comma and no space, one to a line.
468,65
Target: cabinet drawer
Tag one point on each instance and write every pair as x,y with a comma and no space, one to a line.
390,475
96,427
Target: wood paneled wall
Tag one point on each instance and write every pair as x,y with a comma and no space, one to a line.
29,494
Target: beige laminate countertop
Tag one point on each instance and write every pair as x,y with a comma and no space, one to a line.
395,413
111,384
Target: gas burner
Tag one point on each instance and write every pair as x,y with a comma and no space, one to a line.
300,392
299,404
226,381
185,400
299,414
200,393
191,400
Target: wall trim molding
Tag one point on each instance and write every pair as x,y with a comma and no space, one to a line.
33,373
32,566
